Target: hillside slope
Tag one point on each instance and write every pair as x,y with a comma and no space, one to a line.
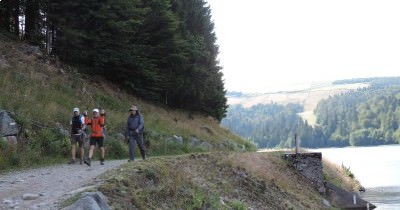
41,93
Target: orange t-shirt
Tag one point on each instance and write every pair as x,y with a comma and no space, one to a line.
97,125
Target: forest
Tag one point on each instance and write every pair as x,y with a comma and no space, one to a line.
159,50
367,116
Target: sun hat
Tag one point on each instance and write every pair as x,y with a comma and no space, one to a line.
95,110
133,108
76,109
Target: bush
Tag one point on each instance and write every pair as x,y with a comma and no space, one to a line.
115,149
50,142
238,205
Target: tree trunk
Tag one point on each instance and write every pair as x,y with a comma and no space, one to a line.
15,17
32,18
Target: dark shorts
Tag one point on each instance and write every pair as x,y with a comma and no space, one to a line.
77,139
97,140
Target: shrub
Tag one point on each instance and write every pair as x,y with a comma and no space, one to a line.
115,148
238,205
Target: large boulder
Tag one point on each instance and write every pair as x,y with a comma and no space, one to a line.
8,126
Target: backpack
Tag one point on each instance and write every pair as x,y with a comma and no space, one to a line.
141,120
76,124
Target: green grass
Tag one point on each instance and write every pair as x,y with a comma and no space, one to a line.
41,97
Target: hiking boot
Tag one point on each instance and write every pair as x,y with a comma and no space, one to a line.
72,161
102,161
87,161
80,162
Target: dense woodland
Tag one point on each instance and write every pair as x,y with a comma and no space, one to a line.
369,116
161,50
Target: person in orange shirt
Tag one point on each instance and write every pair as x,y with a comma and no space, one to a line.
96,136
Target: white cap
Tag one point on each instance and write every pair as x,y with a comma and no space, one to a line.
76,109
95,110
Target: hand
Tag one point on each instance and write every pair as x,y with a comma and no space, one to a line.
137,130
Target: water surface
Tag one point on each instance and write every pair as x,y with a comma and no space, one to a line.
377,168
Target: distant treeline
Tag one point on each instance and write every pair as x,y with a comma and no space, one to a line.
373,81
160,50
368,116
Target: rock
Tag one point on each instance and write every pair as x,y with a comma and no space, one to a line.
175,139
32,50
30,196
8,126
6,201
3,62
326,203
193,141
206,145
90,201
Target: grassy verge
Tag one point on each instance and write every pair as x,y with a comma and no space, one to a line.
210,181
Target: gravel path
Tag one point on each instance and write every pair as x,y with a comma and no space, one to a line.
43,188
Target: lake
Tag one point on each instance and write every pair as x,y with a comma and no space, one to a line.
377,168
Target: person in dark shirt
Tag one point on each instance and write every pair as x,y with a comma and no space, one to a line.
134,133
77,127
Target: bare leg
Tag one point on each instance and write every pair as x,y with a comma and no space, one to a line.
91,151
73,151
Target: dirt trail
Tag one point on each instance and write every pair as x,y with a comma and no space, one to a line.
47,186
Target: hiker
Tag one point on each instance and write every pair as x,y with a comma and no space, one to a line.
77,127
134,132
103,115
96,136
85,131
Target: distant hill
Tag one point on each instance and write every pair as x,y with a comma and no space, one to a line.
308,98
341,113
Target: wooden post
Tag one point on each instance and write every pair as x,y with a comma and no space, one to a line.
297,140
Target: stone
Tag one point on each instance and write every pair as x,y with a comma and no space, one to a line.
326,203
6,201
90,201
30,196
3,62
175,139
8,126
206,145
193,142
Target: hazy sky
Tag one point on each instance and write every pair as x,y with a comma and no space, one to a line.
267,45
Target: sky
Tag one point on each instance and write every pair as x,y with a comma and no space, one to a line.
270,45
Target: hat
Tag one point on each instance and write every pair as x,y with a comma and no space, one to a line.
95,110
133,108
76,109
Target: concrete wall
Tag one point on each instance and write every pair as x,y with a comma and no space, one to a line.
310,166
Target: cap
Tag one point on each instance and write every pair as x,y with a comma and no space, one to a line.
76,109
95,110
133,108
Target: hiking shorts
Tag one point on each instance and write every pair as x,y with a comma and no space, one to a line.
77,139
97,140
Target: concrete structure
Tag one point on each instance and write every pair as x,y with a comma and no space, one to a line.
310,166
